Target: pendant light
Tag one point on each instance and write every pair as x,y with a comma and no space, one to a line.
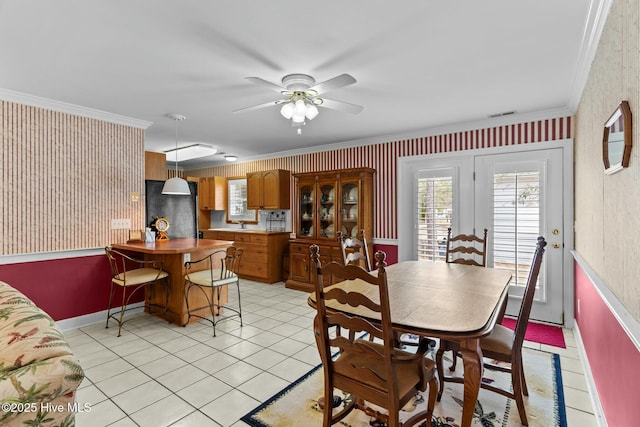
176,186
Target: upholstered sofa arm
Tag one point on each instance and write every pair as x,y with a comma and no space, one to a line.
38,371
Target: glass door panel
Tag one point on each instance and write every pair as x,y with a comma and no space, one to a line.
350,209
327,228
306,211
434,213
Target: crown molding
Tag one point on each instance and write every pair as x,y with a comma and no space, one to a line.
593,27
63,107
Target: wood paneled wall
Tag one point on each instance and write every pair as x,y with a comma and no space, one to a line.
383,157
64,177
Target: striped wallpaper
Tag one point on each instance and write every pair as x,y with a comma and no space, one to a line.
383,157
63,178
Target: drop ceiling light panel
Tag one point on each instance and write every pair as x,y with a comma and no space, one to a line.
190,152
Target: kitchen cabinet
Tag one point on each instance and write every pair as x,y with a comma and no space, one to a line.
262,252
326,203
212,196
212,193
269,189
155,166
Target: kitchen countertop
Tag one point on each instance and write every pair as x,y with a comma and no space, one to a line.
248,231
172,246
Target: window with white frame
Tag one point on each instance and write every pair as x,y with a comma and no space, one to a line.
237,201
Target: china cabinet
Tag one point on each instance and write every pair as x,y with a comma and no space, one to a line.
326,203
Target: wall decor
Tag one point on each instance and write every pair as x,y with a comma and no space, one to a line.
616,142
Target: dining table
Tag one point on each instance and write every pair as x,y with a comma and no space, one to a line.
173,253
449,301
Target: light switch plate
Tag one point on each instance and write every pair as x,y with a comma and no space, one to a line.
121,224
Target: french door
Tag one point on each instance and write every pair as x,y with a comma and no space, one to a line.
520,197
517,195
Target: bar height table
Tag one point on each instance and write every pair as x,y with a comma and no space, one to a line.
173,254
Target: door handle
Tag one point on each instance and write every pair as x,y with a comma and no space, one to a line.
556,245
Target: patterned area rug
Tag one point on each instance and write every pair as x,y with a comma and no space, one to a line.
297,405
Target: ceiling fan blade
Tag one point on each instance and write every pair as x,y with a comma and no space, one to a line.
257,107
266,83
341,106
337,82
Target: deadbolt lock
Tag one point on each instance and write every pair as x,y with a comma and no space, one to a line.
556,231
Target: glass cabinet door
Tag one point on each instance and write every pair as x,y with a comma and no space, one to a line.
306,210
326,210
350,208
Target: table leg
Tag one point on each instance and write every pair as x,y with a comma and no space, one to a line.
472,360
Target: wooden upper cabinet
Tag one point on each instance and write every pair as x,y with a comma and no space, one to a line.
269,189
212,193
155,166
254,190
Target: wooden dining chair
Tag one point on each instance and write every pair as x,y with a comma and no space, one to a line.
467,249
130,275
375,372
355,251
504,345
460,249
209,275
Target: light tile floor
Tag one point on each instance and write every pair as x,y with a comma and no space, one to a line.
157,374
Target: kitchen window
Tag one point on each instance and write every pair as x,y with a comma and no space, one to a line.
237,202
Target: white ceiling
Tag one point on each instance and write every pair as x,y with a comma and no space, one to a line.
419,64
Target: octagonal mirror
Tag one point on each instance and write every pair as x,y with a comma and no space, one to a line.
616,141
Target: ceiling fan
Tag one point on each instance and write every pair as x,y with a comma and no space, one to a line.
302,95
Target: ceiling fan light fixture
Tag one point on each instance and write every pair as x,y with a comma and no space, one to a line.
299,111
302,95
312,111
300,108
287,110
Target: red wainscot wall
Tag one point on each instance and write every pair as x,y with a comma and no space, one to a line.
613,357
71,287
390,250
64,288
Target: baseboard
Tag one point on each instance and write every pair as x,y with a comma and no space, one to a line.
588,375
93,318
